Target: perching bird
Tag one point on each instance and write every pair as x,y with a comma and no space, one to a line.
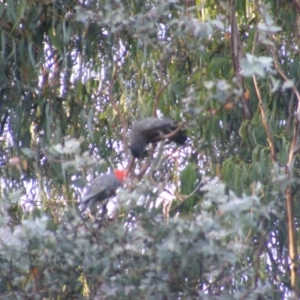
151,130
102,187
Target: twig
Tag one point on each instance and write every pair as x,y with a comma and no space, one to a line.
118,111
161,90
290,112
169,135
264,120
236,54
292,233
200,185
3,121
130,166
155,164
295,142
157,98
147,163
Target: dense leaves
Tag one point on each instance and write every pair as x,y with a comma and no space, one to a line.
153,258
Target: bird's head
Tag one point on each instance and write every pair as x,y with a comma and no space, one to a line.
121,174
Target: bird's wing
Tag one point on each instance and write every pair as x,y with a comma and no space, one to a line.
102,187
151,124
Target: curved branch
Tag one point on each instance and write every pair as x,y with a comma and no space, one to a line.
169,135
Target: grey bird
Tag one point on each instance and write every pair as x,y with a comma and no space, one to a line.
102,187
150,130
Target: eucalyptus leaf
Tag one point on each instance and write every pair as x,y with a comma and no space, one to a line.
28,152
16,196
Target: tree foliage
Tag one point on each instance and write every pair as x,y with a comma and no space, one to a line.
214,219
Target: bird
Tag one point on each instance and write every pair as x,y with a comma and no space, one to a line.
102,187
150,130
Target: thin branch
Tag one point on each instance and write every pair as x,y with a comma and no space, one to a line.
118,111
200,185
3,122
290,114
265,121
281,73
256,260
169,135
157,98
236,54
295,142
147,163
292,240
155,164
161,90
292,233
130,166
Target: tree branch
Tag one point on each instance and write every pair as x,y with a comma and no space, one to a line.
292,233
236,54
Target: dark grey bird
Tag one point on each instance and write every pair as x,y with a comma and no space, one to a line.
102,187
150,130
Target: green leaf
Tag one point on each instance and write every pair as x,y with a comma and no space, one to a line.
28,152
31,54
90,124
67,32
16,196
3,44
188,178
11,11
1,8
